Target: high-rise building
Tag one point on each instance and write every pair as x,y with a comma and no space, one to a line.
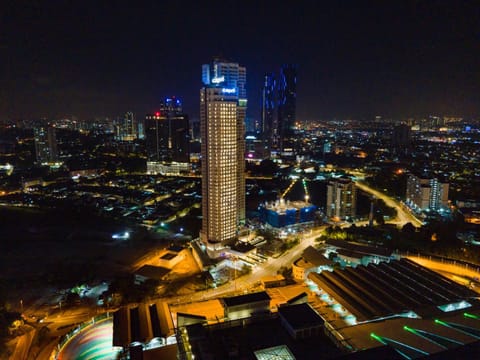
402,139
341,199
268,128
45,144
222,114
426,193
287,106
167,133
126,128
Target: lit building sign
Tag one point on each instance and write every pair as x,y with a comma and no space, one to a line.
218,80
228,91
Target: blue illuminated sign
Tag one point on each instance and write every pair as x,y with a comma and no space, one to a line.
218,80
229,91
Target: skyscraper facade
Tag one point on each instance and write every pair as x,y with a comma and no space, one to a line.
402,139
341,199
126,128
222,113
167,133
287,106
268,127
45,144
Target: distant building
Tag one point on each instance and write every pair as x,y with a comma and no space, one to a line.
45,145
167,133
425,193
222,114
126,129
287,107
341,199
168,168
268,128
402,139
256,149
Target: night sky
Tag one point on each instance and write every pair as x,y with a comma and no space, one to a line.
356,59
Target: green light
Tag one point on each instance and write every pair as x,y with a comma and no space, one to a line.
471,316
409,329
440,322
378,338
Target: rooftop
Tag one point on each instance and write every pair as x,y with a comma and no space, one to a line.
386,289
152,272
359,248
246,299
315,257
300,316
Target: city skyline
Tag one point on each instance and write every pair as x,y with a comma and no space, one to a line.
354,59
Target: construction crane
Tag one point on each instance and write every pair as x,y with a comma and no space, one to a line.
305,188
288,188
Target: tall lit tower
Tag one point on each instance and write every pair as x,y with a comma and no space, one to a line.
268,125
223,106
45,144
167,133
287,105
126,128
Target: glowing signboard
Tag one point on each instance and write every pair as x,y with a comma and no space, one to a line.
218,79
229,91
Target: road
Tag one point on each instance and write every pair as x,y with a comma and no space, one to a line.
460,273
269,267
403,216
23,345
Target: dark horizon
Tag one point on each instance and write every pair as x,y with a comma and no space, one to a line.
355,59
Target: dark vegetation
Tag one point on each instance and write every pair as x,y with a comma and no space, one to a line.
435,238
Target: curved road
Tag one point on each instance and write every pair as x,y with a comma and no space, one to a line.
403,216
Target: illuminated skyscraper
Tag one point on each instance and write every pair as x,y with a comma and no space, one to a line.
287,105
167,133
45,144
268,125
222,114
126,128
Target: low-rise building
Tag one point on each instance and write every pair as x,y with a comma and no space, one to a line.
243,306
311,260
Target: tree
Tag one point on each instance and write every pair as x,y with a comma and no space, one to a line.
408,229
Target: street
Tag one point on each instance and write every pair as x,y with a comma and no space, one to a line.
403,216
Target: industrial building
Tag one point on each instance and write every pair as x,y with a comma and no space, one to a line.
352,254
400,304
294,332
143,329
